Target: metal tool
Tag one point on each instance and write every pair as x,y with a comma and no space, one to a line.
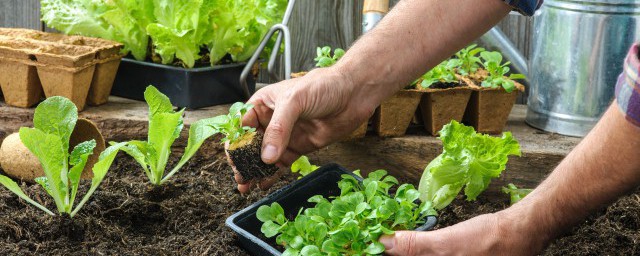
284,32
372,12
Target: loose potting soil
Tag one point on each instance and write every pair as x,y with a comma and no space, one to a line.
127,216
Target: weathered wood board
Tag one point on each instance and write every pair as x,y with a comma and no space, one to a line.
405,157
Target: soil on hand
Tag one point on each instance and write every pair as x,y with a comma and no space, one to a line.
128,216
611,231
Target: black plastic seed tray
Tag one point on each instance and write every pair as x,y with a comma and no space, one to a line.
186,87
323,181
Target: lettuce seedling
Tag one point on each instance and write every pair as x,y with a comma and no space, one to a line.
324,58
516,194
351,223
244,143
303,166
165,126
492,62
54,120
468,160
469,60
444,72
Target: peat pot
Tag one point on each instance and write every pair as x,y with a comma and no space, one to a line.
393,116
323,181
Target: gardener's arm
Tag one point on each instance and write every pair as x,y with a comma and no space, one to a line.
304,114
605,165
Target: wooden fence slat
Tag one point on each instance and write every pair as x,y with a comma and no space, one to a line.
20,14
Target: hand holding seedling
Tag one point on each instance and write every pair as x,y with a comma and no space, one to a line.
302,115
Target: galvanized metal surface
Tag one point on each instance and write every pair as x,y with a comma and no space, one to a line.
578,52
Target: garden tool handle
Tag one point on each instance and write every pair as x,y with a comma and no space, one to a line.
372,13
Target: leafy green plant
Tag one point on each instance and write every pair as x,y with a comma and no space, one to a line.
468,160
492,62
351,223
444,72
516,194
469,60
303,166
165,126
230,125
54,120
176,28
324,58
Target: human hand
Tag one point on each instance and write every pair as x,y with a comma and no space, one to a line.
304,114
489,234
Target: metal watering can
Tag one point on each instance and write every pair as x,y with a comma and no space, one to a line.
577,53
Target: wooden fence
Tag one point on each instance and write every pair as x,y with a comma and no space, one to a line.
337,23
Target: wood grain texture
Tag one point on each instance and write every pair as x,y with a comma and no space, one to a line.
404,157
20,14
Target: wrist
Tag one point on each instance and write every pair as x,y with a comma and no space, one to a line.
526,227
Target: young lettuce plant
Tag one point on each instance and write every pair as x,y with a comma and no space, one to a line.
165,126
324,58
244,143
54,120
516,194
442,73
351,223
492,62
469,60
468,160
303,166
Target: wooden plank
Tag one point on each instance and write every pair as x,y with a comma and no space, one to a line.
20,14
404,157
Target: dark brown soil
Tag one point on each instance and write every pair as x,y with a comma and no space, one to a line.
446,85
611,231
186,217
248,162
126,216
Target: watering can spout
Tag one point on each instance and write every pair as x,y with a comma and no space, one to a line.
494,39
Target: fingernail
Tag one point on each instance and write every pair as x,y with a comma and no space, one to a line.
387,241
269,153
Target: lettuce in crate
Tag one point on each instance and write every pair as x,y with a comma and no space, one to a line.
184,30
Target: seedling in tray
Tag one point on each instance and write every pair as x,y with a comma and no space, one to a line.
351,223
497,71
54,120
324,58
469,60
244,143
443,74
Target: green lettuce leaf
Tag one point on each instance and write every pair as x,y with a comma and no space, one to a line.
100,171
469,160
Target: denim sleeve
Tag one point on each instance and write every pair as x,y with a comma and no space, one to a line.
526,7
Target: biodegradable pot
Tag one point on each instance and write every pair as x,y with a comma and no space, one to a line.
292,197
244,157
107,58
186,87
19,82
394,115
18,162
489,108
67,71
439,106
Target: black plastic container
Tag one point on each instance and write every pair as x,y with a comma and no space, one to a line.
186,87
323,181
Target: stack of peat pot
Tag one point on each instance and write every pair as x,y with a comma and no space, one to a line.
34,63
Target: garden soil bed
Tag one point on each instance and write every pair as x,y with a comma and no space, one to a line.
126,216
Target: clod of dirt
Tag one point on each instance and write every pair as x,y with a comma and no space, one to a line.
245,155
